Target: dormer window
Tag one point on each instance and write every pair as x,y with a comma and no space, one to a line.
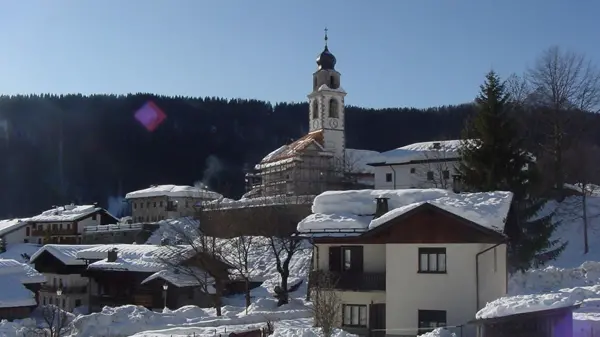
333,108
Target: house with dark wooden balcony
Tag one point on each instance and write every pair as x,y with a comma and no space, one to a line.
59,264
19,285
407,261
145,275
65,224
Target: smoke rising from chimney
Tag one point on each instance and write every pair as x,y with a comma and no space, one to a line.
212,167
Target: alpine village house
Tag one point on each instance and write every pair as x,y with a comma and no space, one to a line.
404,271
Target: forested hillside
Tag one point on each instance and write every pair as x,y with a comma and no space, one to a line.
60,149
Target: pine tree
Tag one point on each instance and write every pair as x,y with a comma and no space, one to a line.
494,159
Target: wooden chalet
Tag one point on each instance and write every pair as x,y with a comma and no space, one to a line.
135,274
20,284
63,271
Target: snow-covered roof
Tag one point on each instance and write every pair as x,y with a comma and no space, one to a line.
174,230
65,213
9,225
352,211
226,203
520,304
174,191
441,149
66,254
288,153
13,276
189,278
132,257
20,251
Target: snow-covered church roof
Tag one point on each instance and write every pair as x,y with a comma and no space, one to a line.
440,149
352,211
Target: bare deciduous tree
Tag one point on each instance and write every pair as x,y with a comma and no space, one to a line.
562,83
584,172
327,303
439,163
190,253
237,251
55,323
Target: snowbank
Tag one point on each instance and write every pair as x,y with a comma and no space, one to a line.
552,278
518,304
334,210
308,332
129,320
174,230
439,332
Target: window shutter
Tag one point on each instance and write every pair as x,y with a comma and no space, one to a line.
335,259
357,259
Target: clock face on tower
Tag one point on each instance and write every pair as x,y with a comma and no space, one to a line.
333,123
315,123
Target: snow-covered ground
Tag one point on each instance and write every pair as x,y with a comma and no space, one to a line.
573,278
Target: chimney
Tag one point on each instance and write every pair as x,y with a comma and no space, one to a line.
112,255
437,145
382,207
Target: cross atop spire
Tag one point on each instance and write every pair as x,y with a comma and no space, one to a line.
326,36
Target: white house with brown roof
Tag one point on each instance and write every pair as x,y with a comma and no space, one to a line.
407,261
319,160
62,270
419,165
65,224
160,202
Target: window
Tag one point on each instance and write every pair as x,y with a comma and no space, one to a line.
60,226
155,204
134,205
68,226
39,241
161,204
355,315
44,300
187,204
25,241
94,217
347,259
413,170
148,204
432,260
315,109
446,174
430,320
333,108
429,175
27,231
388,177
77,303
141,205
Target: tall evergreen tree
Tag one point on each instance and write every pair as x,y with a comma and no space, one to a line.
494,158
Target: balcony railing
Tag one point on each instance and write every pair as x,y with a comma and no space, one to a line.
347,280
65,290
53,231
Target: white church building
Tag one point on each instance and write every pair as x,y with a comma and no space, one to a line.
319,160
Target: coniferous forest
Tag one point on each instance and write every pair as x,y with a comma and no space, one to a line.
85,149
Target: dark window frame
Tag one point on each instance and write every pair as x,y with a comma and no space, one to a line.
359,306
388,177
446,174
437,251
426,317
413,170
430,176
334,108
356,263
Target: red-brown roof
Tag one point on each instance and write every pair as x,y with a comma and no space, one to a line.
292,150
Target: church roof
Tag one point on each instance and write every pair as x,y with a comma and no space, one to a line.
294,149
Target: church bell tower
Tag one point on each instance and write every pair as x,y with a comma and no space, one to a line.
326,103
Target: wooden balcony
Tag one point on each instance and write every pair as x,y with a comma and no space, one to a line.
53,232
347,280
66,290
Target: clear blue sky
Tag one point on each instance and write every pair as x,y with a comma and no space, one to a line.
391,53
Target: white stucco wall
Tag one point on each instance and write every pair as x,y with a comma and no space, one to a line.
455,292
406,179
17,236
